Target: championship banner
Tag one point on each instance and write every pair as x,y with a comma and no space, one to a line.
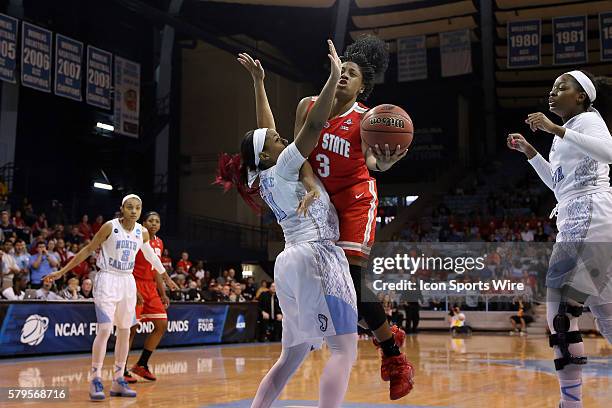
68,67
99,77
524,48
62,327
411,58
127,96
9,27
36,57
605,35
456,53
570,40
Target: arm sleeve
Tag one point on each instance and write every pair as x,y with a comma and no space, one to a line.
150,256
595,139
542,167
289,163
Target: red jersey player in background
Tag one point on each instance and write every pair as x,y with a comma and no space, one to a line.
343,163
152,301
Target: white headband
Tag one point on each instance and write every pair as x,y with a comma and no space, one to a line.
585,82
259,138
127,197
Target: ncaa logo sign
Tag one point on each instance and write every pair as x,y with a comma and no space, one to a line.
33,331
240,323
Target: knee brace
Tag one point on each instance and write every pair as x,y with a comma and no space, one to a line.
563,338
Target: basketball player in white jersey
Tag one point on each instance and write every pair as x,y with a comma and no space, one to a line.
115,290
577,170
312,276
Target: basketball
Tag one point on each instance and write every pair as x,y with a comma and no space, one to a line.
387,124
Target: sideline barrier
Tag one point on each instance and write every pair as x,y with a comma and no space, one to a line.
40,327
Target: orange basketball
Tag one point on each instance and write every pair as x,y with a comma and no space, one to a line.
387,124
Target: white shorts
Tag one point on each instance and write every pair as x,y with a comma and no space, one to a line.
115,298
582,255
315,292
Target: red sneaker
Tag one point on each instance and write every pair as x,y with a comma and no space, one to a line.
401,375
399,336
143,372
128,378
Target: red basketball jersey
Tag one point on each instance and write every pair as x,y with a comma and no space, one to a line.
143,270
338,159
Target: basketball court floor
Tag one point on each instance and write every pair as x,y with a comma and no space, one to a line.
482,371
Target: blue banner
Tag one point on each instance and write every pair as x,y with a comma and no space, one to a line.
9,27
36,57
524,43
570,40
62,327
99,77
605,35
68,67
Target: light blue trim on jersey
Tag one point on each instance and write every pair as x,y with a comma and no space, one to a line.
342,314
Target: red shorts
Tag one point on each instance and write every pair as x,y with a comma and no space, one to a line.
356,207
152,307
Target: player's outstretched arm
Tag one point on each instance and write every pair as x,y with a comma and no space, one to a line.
84,253
265,118
307,138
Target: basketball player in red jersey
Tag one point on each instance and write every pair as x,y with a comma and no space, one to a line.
152,301
343,163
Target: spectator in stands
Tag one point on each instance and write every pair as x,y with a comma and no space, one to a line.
85,268
271,316
17,290
181,281
263,287
231,275
208,293
51,249
193,294
9,265
236,295
56,214
85,228
527,234
74,237
86,289
95,227
22,258
166,260
58,232
28,212
8,229
17,221
46,292
199,271
540,235
41,222
71,292
62,252
225,292
184,263
222,280
41,264
249,290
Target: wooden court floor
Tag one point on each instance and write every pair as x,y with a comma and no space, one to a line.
481,371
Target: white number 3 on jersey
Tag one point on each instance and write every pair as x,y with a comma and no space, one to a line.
323,169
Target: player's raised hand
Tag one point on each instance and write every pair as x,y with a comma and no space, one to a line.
539,121
253,66
336,63
306,202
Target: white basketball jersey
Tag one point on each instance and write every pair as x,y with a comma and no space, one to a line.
282,190
118,252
